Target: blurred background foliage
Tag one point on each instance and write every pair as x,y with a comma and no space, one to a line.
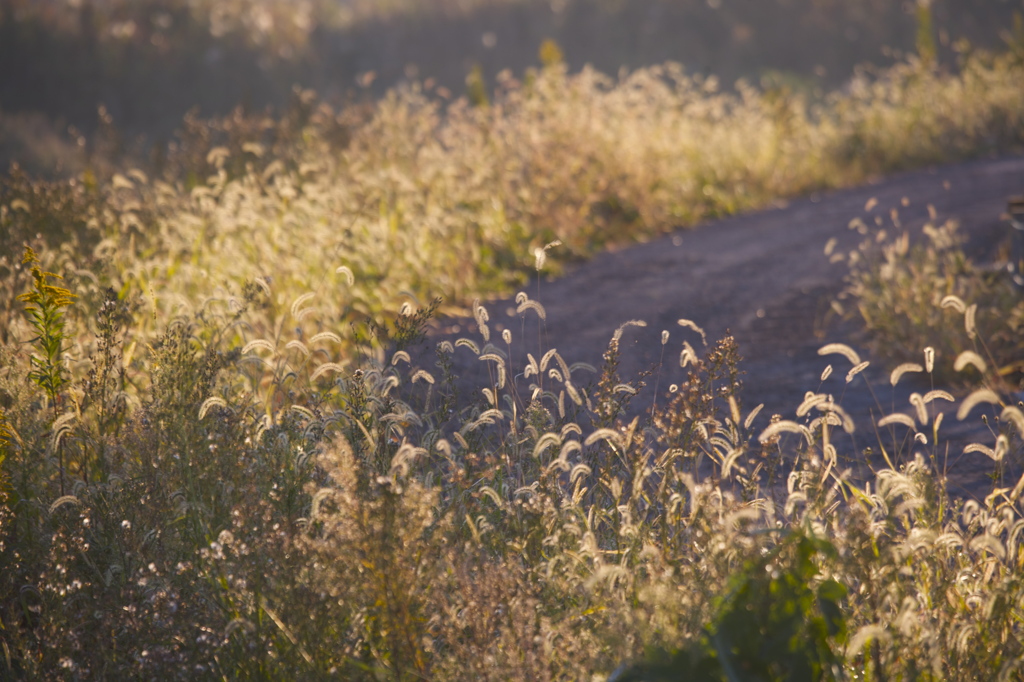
149,63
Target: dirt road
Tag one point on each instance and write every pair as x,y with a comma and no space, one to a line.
764,277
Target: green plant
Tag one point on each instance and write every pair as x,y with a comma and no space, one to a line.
772,624
925,38
46,316
5,439
476,87
550,53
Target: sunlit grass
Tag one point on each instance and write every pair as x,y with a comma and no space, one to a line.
263,512
227,466
421,196
913,295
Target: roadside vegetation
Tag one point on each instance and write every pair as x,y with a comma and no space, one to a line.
245,506
150,62
424,196
218,461
909,293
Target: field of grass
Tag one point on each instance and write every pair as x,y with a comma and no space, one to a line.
149,62
217,460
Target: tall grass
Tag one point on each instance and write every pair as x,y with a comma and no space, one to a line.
909,295
435,198
260,511
220,461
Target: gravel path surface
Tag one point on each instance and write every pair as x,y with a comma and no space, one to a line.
764,277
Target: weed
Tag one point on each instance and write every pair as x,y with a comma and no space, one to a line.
45,303
269,487
908,294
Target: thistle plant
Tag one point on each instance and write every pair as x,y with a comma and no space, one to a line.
46,315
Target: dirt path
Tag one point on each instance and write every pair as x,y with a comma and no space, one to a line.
764,277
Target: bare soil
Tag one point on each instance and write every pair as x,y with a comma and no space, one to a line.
764,278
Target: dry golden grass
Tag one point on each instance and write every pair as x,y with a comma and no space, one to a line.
432,198
254,515
930,293
230,481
